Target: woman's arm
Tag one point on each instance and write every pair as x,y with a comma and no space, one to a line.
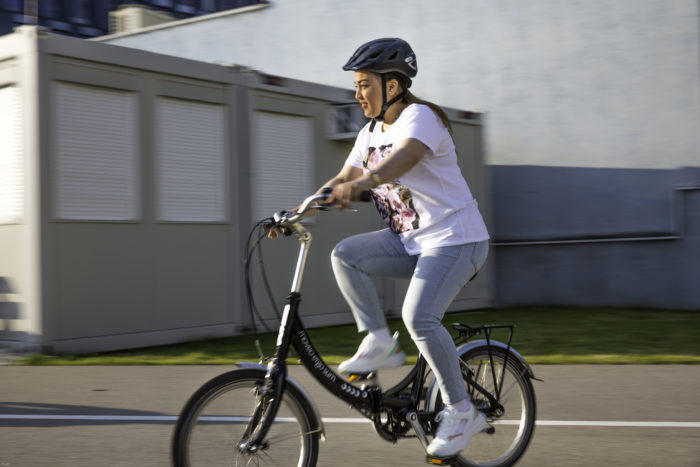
406,155
346,174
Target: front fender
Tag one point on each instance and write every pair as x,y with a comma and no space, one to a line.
298,387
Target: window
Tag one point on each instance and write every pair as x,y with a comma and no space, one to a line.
207,5
13,5
80,11
191,168
186,7
96,165
51,9
162,3
282,171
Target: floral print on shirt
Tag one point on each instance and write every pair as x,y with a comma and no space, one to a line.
393,200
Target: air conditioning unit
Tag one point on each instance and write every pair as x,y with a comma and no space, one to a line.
132,17
345,121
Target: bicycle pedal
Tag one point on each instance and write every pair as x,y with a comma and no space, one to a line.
362,376
439,460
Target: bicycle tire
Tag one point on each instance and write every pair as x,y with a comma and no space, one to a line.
514,428
214,421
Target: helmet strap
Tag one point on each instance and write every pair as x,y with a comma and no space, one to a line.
385,104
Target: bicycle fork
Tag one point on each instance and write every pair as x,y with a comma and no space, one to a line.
273,388
266,408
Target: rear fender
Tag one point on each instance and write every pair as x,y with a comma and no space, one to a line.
468,346
433,389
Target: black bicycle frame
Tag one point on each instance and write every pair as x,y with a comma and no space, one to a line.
368,400
292,332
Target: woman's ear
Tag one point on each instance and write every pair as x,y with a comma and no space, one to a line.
392,86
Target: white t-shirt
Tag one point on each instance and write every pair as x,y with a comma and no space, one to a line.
430,205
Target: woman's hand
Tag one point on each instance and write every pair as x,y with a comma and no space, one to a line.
274,232
345,193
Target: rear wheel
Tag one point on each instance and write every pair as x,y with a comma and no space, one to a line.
511,421
217,420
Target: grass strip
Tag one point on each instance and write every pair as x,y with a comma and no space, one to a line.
552,335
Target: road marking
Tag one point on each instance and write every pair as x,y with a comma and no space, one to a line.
106,418
173,418
619,423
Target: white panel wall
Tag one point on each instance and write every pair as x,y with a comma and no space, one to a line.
11,156
96,166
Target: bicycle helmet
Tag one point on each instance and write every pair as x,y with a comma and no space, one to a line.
382,56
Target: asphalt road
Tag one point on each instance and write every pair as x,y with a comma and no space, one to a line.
659,407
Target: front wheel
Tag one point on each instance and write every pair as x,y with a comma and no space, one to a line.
217,420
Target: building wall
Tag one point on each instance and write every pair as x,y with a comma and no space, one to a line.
143,175
91,18
592,110
21,276
602,83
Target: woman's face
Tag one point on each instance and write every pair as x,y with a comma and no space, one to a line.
368,92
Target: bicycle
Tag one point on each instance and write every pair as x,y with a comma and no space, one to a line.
258,415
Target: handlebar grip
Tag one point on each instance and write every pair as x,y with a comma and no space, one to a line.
366,196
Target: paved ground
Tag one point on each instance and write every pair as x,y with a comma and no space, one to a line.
569,394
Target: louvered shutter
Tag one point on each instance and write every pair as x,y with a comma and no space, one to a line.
96,166
11,160
282,171
191,169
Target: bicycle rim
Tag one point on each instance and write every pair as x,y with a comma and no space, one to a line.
508,434
215,421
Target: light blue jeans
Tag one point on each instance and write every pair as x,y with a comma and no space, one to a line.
437,275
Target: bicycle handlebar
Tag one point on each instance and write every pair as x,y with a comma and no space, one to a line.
316,201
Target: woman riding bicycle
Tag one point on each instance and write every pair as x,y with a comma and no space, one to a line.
436,236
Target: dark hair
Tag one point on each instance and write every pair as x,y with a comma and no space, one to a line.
410,98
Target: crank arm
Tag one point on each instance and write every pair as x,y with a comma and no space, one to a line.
412,418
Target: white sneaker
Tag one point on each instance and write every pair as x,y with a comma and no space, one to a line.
455,430
374,354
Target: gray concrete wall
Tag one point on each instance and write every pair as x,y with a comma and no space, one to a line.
597,237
